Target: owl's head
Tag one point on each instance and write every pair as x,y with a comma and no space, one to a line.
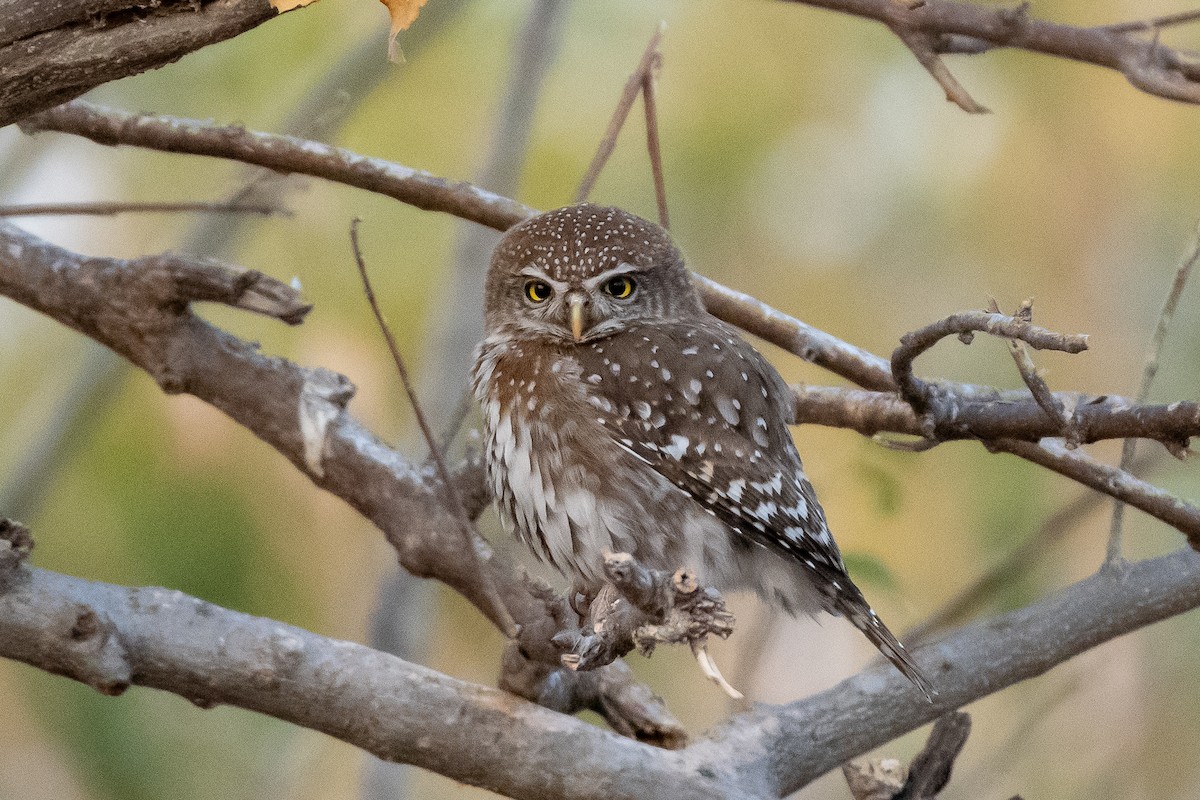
583,272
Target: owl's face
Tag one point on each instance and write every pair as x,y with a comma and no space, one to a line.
584,272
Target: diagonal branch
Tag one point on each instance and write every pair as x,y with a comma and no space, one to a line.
643,76
283,154
111,637
923,47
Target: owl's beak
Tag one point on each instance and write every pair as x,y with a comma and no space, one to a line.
576,303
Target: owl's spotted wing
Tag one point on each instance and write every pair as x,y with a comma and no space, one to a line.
705,411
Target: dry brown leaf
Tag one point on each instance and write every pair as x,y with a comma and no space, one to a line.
287,5
403,12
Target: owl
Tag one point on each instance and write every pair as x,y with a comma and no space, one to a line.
619,416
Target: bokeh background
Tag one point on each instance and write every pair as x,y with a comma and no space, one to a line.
809,161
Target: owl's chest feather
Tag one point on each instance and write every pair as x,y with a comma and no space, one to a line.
560,482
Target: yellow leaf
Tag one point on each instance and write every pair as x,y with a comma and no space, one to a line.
287,5
403,12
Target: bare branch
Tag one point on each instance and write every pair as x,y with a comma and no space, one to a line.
923,47
1093,419
945,26
653,148
874,707
1155,23
112,637
1045,399
799,338
282,154
930,770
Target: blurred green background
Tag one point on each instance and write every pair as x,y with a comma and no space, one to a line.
809,161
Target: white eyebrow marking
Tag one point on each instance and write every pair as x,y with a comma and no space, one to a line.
533,272
620,269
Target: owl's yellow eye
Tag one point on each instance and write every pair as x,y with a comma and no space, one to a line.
538,291
620,287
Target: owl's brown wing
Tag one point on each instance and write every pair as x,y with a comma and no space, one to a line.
702,408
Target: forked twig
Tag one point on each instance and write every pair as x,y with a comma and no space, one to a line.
1112,555
650,58
922,47
1036,384
965,324
503,618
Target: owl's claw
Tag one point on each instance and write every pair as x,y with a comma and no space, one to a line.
709,668
580,600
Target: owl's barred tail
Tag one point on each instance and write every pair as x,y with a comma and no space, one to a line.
854,607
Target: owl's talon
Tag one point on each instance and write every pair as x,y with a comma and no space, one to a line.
709,668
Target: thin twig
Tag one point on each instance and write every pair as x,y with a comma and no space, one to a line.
1029,374
505,620
114,208
1129,446
653,147
632,87
1166,21
922,47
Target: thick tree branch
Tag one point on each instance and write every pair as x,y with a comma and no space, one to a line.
54,50
112,637
943,26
